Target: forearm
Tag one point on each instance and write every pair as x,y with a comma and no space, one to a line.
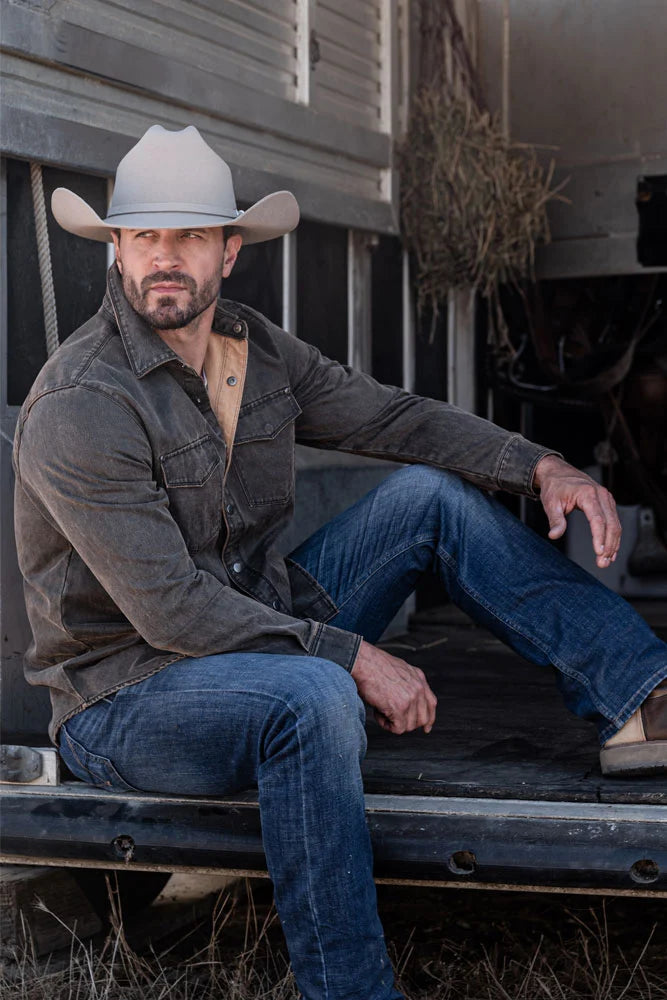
349,411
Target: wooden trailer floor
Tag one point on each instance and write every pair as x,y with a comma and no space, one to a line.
502,730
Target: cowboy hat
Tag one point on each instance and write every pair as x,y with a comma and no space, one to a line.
174,180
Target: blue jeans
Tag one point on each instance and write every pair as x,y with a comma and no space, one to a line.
294,725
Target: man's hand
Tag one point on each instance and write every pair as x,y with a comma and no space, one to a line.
562,488
397,691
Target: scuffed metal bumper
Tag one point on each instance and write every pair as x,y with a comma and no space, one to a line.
449,841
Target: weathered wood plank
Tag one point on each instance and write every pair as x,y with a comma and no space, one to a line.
502,730
59,897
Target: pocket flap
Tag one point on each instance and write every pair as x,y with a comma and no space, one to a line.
191,465
263,419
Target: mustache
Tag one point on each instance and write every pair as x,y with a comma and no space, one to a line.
177,277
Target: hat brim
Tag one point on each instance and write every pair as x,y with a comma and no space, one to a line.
270,217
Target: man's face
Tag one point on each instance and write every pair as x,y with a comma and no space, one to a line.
171,276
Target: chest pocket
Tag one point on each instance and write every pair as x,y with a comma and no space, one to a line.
264,448
193,480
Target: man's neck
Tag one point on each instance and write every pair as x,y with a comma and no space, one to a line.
190,342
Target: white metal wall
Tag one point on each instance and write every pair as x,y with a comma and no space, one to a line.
252,44
587,78
348,79
296,93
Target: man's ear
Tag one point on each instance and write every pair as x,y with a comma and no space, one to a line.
232,247
115,236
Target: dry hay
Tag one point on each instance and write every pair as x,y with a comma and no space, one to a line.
473,203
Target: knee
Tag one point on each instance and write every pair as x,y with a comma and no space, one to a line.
422,489
328,706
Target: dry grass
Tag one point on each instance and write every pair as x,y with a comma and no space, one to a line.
473,203
446,946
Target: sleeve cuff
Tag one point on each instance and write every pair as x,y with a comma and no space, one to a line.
517,464
336,644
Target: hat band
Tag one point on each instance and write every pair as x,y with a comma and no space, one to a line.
148,208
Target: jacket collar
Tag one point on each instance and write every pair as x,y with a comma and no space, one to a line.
144,348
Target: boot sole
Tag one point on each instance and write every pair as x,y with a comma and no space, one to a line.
634,759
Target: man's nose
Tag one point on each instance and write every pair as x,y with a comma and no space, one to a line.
166,252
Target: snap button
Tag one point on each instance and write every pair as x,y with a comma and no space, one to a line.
230,508
238,328
268,428
276,605
237,567
232,380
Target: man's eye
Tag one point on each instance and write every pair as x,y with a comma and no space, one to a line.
148,232
191,236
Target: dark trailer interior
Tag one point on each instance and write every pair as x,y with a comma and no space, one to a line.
507,790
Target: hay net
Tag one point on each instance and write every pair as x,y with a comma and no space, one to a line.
473,203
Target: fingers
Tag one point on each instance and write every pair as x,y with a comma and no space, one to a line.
600,509
426,702
562,488
413,704
399,692
557,522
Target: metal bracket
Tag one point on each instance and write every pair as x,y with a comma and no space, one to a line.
28,765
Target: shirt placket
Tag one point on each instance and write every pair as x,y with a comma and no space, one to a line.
226,364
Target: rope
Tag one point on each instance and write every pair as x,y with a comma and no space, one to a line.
44,259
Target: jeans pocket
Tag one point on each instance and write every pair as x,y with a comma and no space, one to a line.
92,768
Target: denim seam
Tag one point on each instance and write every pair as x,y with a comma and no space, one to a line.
632,704
188,627
502,461
392,555
61,603
85,387
276,699
314,638
88,703
94,353
311,899
617,719
581,678
70,742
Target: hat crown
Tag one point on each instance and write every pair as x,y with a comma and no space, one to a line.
168,169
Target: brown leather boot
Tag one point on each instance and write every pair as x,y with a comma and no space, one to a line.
640,746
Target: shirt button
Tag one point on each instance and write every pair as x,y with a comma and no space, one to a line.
238,328
232,380
268,428
230,508
237,567
276,605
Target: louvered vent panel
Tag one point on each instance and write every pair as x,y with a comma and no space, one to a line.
347,79
251,43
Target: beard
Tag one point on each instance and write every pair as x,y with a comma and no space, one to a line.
166,314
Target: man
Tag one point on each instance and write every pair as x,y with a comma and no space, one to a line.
154,462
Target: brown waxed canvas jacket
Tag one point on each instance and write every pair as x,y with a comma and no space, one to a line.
140,544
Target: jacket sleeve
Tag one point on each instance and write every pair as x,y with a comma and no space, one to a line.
346,410
99,492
